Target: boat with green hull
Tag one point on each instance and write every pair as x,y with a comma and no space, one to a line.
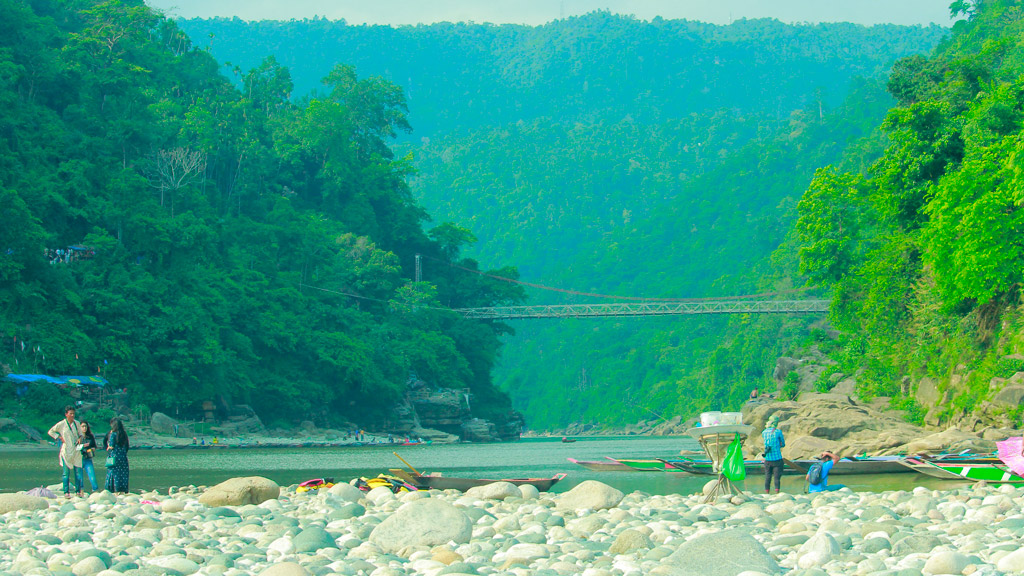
975,471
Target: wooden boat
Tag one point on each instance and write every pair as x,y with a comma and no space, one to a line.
608,465
438,482
568,440
641,464
959,470
867,465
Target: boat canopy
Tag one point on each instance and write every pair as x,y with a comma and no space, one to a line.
76,381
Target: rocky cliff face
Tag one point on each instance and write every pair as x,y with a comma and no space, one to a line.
425,411
841,424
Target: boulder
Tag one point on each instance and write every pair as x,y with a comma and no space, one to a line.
240,426
241,491
429,522
1009,397
15,502
285,569
820,549
346,492
718,554
946,562
830,422
783,366
478,430
495,491
927,393
8,423
590,494
161,423
951,440
629,540
312,539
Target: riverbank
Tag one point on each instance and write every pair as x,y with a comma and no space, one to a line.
143,438
502,530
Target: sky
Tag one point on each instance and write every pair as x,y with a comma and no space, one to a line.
535,12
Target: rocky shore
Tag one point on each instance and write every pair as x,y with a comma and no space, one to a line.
249,526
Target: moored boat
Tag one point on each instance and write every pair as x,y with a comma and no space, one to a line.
608,465
953,469
438,482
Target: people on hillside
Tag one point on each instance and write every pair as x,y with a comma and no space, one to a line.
68,434
774,441
754,393
828,460
88,451
116,444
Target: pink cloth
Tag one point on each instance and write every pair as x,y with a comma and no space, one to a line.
1009,453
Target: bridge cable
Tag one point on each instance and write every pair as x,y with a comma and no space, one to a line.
612,297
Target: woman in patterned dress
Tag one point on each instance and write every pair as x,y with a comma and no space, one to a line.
116,444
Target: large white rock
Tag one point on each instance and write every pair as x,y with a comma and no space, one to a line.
718,554
946,562
346,492
172,505
285,569
88,566
495,491
1012,563
590,494
380,495
14,502
428,522
817,551
241,491
176,563
529,491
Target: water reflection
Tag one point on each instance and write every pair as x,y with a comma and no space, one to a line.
160,469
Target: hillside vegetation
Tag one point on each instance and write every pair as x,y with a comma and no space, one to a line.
604,154
224,244
922,252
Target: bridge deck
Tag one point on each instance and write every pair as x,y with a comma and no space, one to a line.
647,309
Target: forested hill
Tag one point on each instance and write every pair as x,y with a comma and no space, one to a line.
607,154
922,251
595,67
190,241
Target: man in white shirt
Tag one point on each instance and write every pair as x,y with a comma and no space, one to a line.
68,434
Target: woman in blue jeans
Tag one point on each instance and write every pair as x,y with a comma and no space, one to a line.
88,451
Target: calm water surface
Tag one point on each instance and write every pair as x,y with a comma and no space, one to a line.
160,469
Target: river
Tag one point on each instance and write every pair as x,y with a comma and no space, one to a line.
160,469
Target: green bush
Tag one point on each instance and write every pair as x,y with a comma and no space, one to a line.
1006,367
914,411
791,388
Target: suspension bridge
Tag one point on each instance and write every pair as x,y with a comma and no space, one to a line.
667,308
766,303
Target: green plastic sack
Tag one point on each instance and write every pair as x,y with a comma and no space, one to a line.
733,467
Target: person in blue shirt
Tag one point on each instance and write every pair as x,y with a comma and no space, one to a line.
828,461
774,440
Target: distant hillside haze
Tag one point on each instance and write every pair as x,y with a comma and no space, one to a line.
605,154
581,69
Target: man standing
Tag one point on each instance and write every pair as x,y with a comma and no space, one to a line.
773,443
828,461
68,434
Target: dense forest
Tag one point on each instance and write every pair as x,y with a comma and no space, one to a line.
238,215
189,239
605,154
922,251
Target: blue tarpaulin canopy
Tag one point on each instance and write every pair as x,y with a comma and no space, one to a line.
98,381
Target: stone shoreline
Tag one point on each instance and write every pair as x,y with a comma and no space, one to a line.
154,442
499,529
